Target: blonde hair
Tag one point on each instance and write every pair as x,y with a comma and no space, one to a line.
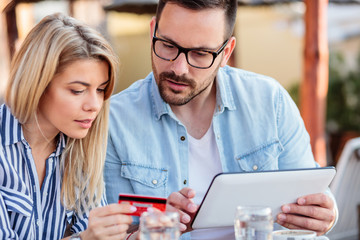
51,46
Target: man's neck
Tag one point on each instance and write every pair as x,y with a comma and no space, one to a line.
197,114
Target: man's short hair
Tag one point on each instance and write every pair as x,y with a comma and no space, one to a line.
229,7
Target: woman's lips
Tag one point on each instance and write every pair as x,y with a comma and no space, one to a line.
86,123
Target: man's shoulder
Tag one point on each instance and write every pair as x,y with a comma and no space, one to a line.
240,76
248,84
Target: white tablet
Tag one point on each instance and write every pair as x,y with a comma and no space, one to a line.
268,188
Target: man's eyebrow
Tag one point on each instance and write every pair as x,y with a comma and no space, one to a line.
195,48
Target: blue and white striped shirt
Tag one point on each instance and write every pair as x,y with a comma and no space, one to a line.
28,211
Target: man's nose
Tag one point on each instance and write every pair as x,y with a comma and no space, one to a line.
180,65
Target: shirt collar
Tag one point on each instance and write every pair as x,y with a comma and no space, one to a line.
11,131
61,144
224,96
160,107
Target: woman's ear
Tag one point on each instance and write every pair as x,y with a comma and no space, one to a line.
228,51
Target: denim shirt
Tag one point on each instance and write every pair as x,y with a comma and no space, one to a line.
256,124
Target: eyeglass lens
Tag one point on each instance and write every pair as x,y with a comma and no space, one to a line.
196,58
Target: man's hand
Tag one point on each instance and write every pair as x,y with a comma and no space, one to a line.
182,203
313,212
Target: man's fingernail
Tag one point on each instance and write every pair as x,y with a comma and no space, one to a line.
191,207
286,208
133,209
182,227
185,218
280,222
282,217
301,201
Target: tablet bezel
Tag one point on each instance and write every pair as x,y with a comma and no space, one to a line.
321,176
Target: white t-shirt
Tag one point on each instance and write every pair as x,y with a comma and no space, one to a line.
204,164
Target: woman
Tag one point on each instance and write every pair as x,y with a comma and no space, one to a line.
53,132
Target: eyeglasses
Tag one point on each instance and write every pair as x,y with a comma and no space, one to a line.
195,57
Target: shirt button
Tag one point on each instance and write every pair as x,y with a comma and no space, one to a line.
255,167
218,136
182,138
154,181
38,222
185,182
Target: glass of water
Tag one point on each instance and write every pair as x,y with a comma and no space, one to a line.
157,225
253,223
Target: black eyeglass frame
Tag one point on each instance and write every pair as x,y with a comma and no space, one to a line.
186,50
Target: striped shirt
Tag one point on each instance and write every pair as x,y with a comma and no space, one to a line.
28,211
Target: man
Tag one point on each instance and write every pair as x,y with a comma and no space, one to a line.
194,117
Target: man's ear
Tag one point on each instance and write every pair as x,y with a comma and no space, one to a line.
228,51
152,27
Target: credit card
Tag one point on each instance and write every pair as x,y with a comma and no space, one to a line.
142,203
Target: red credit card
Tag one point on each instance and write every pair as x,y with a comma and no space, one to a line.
142,203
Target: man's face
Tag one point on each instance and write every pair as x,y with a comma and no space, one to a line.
179,82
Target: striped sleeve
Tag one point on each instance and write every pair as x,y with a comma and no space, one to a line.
81,221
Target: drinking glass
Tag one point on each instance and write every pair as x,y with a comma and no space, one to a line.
253,223
159,225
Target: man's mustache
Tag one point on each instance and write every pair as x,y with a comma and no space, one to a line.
176,78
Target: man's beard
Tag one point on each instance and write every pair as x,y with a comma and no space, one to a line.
172,96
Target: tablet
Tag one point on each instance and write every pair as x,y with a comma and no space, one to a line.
267,188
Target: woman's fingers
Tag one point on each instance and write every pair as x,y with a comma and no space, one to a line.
109,222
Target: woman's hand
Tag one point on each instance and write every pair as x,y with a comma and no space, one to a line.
109,222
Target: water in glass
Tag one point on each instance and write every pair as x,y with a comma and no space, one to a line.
253,223
159,226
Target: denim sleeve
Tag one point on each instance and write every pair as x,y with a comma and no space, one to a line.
295,140
6,232
293,135
114,182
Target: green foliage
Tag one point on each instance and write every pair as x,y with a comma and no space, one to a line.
294,92
343,100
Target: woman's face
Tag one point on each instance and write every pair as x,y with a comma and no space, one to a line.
74,98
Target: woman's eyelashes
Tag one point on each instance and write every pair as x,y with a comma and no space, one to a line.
77,92
101,90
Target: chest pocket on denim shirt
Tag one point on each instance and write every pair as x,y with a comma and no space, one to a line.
146,180
263,157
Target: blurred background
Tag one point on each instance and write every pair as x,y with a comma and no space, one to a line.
271,40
